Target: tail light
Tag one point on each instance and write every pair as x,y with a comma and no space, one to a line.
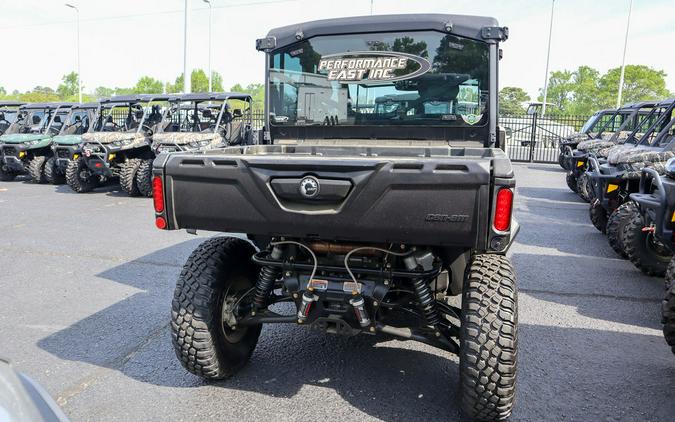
158,194
502,220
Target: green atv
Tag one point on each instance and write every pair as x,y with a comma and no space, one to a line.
9,113
26,145
67,145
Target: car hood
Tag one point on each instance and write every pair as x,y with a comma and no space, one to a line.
109,137
67,139
18,138
182,138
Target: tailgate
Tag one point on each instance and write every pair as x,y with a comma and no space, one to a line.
426,201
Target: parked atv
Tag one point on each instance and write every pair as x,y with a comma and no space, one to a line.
593,126
199,122
373,228
615,181
26,144
615,132
66,146
9,113
117,143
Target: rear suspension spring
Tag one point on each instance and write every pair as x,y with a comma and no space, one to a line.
266,279
426,301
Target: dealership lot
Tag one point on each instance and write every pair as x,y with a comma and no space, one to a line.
87,283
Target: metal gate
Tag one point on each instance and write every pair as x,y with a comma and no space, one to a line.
535,138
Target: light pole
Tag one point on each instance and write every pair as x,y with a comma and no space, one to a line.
210,9
79,77
371,7
186,77
548,56
623,60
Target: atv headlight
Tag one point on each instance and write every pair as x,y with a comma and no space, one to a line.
33,142
122,142
199,144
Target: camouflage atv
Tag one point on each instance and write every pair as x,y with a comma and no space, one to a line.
199,121
66,145
615,132
26,144
593,126
617,183
118,143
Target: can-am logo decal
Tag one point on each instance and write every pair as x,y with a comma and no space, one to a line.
373,66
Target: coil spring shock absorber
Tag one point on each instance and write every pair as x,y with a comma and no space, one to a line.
421,287
268,275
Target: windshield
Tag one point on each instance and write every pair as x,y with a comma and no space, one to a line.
32,121
76,123
412,78
195,117
596,122
119,118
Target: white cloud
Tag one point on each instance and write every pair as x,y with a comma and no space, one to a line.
124,39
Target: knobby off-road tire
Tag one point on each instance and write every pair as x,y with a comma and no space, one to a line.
204,345
128,176
598,216
488,339
571,182
561,160
36,169
51,173
584,187
75,181
641,248
615,224
6,175
144,178
668,307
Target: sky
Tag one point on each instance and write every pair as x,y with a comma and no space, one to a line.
122,40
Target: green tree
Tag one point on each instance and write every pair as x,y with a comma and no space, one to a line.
511,100
199,82
640,83
256,91
103,92
148,85
69,85
560,90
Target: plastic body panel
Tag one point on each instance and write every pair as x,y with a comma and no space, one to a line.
424,196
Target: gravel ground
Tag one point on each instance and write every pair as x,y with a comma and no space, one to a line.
87,283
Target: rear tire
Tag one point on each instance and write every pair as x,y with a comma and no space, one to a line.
128,176
643,250
488,339
144,178
598,216
571,182
36,169
561,160
205,345
76,181
51,173
584,187
668,307
615,224
6,175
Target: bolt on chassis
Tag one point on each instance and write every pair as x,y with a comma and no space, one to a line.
355,220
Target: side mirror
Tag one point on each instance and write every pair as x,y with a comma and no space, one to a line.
237,112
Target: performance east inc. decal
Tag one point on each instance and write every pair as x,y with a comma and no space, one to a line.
372,66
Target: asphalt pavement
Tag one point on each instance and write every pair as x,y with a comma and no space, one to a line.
86,285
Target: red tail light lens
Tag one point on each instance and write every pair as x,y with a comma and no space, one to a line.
158,194
160,222
502,220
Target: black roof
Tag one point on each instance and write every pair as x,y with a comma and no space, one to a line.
9,103
666,102
136,98
86,106
47,106
209,96
632,106
462,25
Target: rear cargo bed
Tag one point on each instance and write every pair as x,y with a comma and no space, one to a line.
426,195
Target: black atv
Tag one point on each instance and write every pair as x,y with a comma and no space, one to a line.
369,228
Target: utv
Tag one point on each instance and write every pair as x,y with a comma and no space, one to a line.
66,145
26,144
369,228
200,121
117,143
615,132
588,131
9,113
614,181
